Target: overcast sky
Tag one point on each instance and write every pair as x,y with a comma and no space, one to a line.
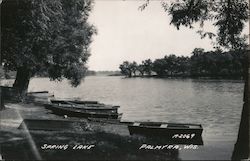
126,33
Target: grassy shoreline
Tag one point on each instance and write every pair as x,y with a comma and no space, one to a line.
111,142
186,77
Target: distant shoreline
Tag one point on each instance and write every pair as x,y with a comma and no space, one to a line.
152,76
186,77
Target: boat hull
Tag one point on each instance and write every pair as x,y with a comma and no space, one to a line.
76,102
80,113
174,134
85,108
84,104
163,132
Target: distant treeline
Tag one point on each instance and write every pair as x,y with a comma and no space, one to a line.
44,73
201,64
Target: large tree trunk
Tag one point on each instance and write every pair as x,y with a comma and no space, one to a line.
241,147
22,80
130,74
1,99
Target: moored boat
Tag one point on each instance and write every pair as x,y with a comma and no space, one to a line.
83,111
76,102
83,104
107,109
175,131
39,97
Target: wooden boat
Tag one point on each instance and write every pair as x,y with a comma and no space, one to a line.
38,92
106,109
83,104
86,106
151,131
82,112
39,97
76,102
167,130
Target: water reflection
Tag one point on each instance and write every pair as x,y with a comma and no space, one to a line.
215,104
222,86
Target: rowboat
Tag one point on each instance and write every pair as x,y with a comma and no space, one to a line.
38,97
85,106
104,109
171,133
77,112
82,104
78,108
176,131
76,102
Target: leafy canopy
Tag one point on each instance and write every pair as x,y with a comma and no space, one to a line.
228,16
45,35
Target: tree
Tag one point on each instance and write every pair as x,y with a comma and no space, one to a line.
141,69
228,16
183,65
147,66
217,63
133,67
159,67
125,68
128,68
171,63
52,36
196,62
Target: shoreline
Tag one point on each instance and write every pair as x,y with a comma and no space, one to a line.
99,141
184,77
109,141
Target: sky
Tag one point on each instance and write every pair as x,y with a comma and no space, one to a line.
127,33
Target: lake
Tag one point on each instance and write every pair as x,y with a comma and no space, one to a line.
216,104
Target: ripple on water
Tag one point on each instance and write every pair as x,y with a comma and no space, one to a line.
215,104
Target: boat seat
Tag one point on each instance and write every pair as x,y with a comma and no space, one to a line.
164,126
136,124
194,127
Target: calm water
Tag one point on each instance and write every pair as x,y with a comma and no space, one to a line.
216,104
